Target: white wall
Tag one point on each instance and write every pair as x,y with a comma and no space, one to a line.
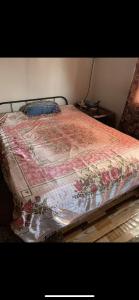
39,77
59,76
13,78
111,82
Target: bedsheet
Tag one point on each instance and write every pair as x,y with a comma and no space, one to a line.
61,166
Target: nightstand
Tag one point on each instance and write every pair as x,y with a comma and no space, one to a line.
101,114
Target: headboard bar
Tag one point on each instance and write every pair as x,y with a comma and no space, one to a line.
11,107
35,99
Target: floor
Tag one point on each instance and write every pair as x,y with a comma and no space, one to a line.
121,224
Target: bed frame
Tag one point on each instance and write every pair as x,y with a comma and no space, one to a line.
89,218
10,102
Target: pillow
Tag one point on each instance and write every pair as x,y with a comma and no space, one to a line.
40,107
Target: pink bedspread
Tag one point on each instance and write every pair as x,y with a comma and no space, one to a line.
61,166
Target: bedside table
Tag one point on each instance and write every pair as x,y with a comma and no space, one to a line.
101,114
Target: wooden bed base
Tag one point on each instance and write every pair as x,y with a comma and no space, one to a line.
89,218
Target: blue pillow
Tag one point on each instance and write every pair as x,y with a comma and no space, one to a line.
40,107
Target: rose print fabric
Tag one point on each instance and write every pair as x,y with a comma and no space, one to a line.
61,166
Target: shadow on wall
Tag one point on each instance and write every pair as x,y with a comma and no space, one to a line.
77,78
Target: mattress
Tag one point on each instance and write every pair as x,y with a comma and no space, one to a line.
62,166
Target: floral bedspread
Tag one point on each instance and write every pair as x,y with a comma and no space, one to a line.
61,166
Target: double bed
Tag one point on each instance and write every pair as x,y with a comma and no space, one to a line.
62,168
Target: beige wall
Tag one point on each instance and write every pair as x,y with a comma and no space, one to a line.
40,77
59,76
111,82
13,78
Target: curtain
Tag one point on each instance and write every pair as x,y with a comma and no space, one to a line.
129,123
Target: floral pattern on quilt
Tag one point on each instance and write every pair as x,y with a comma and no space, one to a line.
61,166
105,178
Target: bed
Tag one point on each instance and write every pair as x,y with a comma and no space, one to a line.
62,168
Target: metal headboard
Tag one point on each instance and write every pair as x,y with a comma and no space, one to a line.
31,100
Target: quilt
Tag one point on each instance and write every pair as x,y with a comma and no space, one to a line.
61,166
